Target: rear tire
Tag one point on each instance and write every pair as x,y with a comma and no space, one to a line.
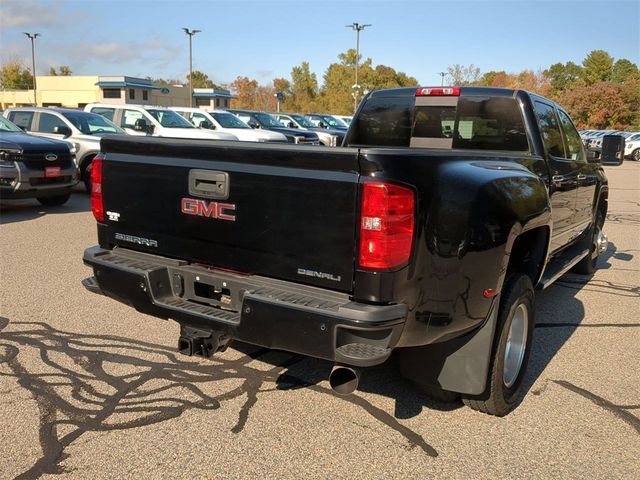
588,265
636,154
54,201
86,174
511,350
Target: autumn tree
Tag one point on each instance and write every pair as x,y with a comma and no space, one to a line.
494,79
13,75
304,89
463,75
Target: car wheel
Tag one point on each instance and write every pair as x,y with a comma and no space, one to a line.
86,175
55,200
597,244
636,154
511,350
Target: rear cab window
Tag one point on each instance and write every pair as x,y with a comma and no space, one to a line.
104,111
471,122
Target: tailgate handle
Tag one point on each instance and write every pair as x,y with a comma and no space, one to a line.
209,184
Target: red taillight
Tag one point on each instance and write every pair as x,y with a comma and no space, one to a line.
438,92
97,206
386,226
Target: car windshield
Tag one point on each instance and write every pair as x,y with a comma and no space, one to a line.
170,119
92,123
267,120
633,138
7,126
228,120
332,122
304,122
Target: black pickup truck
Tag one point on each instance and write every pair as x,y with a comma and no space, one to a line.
425,234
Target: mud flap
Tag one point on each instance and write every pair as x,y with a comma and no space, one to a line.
460,365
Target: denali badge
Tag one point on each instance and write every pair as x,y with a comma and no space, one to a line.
139,240
201,208
113,216
313,273
51,157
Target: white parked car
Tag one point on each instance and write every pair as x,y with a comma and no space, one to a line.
154,121
632,147
223,121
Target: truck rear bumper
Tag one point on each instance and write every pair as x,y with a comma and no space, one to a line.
257,310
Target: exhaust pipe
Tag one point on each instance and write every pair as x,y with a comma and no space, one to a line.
344,380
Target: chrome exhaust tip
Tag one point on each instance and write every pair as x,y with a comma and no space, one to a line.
344,380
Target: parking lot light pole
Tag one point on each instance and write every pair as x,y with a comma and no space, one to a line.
32,37
357,27
442,75
191,33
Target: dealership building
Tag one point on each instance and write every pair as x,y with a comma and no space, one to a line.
75,91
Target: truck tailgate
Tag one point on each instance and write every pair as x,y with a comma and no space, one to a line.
286,212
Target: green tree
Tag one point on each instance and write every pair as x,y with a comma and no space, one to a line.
13,75
598,66
63,70
304,88
494,78
623,70
201,80
563,75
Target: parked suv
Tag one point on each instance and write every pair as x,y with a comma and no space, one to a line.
328,137
35,167
266,121
632,147
223,121
154,121
326,121
83,129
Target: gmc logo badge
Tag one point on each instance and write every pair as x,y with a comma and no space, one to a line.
200,208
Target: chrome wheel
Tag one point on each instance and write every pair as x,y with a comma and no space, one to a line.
516,345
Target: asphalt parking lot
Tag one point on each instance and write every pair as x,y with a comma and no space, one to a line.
91,388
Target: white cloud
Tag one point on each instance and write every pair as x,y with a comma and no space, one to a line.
33,14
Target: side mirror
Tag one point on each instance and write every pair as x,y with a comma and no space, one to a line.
62,130
140,125
321,124
612,150
253,124
292,125
207,124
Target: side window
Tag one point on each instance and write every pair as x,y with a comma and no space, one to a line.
551,135
21,119
198,118
105,112
129,118
574,144
47,122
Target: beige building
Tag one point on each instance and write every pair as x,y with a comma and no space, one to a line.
76,91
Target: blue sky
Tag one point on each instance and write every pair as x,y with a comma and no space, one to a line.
264,39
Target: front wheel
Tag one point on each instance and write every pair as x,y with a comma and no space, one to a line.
55,200
511,349
636,155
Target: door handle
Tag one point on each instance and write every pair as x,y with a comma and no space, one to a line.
557,180
582,176
209,184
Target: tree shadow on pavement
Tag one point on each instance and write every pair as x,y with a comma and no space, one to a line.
97,383
20,210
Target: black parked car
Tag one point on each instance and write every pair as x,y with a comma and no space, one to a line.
266,121
35,167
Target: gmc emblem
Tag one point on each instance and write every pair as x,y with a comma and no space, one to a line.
200,208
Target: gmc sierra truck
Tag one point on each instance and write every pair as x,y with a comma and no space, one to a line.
424,235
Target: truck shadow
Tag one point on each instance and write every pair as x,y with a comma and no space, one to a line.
20,210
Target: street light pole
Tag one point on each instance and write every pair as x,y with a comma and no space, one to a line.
32,37
191,33
442,75
357,27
